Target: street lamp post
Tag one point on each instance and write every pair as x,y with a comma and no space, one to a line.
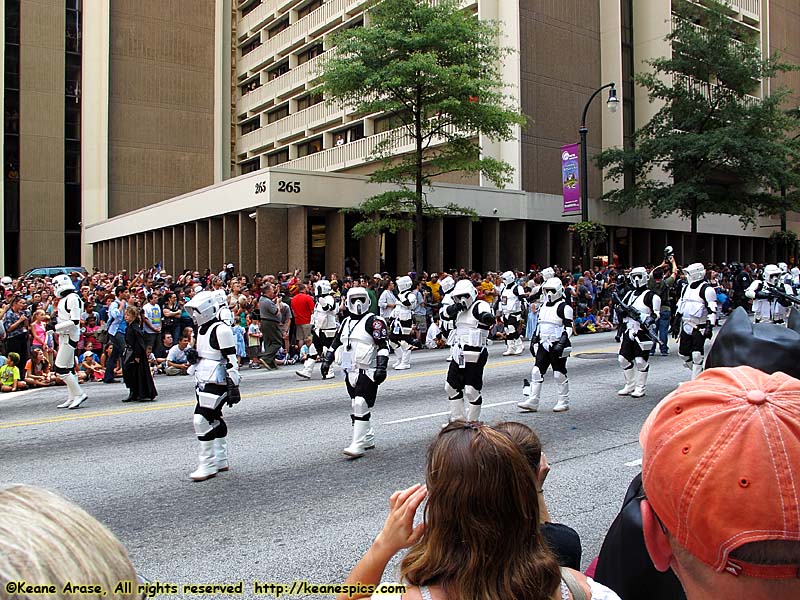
612,104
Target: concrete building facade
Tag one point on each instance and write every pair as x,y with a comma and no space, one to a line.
205,140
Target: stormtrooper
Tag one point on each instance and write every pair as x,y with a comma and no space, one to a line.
766,306
695,317
448,283
553,333
634,351
361,348
323,322
512,305
471,319
536,290
216,371
70,307
401,321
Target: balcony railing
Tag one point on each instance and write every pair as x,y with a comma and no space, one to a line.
295,34
752,7
358,152
281,85
708,90
702,31
297,123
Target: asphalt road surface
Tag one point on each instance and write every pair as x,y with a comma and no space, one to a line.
293,507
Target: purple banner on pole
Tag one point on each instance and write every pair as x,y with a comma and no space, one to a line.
570,178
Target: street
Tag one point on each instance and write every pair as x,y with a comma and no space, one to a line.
293,507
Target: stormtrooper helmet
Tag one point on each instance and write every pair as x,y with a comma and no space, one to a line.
203,307
783,267
639,277
62,285
358,301
548,273
772,274
448,283
695,272
508,277
403,283
553,289
322,287
465,292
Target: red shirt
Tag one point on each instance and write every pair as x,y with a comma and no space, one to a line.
302,307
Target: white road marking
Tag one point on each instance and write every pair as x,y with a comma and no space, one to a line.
634,463
441,414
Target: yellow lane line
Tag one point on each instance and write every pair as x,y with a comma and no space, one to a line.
266,394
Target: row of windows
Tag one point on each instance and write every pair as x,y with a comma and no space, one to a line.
281,68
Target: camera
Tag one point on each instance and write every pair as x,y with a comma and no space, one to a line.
668,253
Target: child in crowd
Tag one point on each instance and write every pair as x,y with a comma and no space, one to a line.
152,361
89,334
305,349
39,330
107,351
37,370
9,374
253,341
91,366
50,344
241,347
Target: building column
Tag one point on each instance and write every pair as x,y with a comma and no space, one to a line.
563,245
148,250
491,244
271,249
759,250
178,258
463,226
539,238
167,253
434,245
641,248
734,252
141,252
115,261
124,254
369,254
405,250
246,262
297,236
512,244
216,253
202,260
334,243
190,246
721,248
746,249
230,239
158,246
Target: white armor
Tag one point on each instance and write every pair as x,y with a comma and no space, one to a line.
761,306
358,350
696,312
635,351
216,362
636,299
324,325
550,326
401,322
68,314
404,309
469,334
511,299
324,318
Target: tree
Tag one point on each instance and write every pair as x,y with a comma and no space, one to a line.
722,150
435,70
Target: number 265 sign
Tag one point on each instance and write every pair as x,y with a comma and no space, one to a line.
287,187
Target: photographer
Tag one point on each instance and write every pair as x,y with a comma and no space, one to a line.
662,287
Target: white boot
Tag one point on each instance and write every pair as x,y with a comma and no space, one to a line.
70,397
526,387
208,462
641,383
473,412
308,368
221,454
519,347
405,359
696,370
534,391
562,385
457,410
509,348
630,382
358,445
369,439
78,397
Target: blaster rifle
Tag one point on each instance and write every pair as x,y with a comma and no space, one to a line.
634,314
781,295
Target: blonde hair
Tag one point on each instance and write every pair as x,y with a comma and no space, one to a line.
47,540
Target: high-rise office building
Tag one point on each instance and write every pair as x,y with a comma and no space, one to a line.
204,138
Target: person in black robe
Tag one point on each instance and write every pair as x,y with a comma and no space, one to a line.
136,372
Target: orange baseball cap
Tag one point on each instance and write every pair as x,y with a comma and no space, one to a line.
721,465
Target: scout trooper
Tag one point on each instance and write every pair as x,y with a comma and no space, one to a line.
695,318
765,305
323,323
400,323
512,305
536,290
213,363
361,348
553,333
636,345
70,307
448,283
471,319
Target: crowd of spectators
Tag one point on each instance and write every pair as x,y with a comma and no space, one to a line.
272,313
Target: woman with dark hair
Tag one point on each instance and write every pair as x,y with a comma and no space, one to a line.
480,539
136,372
172,315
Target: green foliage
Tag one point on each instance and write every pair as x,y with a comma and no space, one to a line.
722,150
435,69
588,232
785,238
